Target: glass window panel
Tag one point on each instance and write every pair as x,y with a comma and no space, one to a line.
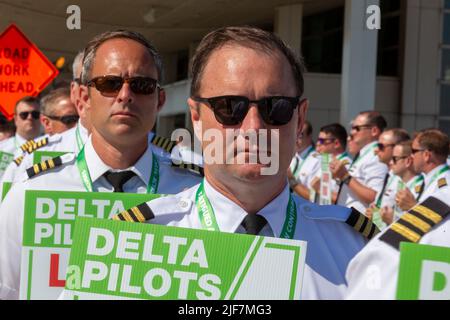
444,125
446,35
445,66
445,101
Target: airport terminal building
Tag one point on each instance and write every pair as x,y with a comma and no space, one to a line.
401,70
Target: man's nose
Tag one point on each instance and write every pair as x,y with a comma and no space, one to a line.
125,94
253,119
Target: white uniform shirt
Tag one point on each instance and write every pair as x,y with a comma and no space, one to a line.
67,178
433,180
12,144
305,165
344,157
331,242
367,170
373,273
63,142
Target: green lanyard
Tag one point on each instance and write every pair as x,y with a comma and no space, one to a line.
342,156
371,148
209,222
299,167
152,186
80,142
411,184
436,175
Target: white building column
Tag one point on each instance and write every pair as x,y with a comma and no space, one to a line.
359,61
288,25
421,64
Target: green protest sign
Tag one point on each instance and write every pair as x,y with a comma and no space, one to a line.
5,160
424,272
49,218
122,260
325,180
39,156
6,187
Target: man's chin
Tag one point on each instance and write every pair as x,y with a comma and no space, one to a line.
251,172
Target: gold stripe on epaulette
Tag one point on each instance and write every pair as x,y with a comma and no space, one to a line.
18,160
427,213
416,222
163,143
127,216
405,232
442,182
140,217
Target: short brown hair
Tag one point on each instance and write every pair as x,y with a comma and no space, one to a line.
374,118
96,42
49,100
435,141
249,37
399,135
406,147
27,100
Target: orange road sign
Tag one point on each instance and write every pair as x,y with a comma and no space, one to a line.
24,70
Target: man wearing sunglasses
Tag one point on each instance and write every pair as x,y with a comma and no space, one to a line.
332,140
246,79
305,163
58,113
429,152
28,126
120,91
402,166
360,184
385,198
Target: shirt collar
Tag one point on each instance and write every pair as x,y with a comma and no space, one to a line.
430,174
97,167
368,146
306,151
229,215
83,131
20,140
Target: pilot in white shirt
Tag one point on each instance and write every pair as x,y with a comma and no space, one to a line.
373,273
66,176
369,171
331,240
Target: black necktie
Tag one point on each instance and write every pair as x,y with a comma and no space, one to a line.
380,196
253,223
118,179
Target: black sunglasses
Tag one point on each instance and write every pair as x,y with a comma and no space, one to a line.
231,110
382,146
363,126
69,119
325,140
109,86
396,159
34,114
414,151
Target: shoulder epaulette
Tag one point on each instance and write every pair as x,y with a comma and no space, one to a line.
189,166
163,143
345,162
18,160
32,145
442,182
140,213
418,188
362,224
44,166
415,223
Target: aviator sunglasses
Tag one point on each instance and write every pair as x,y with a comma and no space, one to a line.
231,110
109,86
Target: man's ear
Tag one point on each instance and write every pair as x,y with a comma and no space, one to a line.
85,99
302,111
161,99
195,118
45,123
